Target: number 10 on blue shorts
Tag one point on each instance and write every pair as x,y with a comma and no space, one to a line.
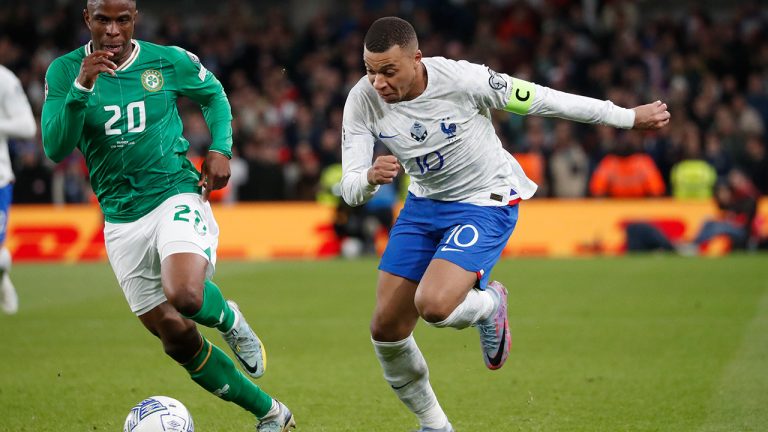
467,235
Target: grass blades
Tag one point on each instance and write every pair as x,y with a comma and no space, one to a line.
643,343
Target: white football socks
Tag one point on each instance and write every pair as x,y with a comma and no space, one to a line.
406,372
9,300
5,260
477,306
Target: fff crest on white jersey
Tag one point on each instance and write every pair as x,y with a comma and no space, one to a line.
418,132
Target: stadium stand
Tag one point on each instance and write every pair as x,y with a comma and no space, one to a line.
287,68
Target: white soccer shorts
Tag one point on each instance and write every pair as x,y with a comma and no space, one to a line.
183,223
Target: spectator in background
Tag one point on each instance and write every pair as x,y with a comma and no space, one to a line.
357,227
532,158
33,177
569,165
69,183
265,179
692,177
748,119
756,164
727,130
736,197
305,174
16,121
627,172
757,96
715,155
273,64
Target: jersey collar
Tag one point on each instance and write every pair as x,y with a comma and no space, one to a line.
128,62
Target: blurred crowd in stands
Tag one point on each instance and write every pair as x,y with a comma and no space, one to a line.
287,84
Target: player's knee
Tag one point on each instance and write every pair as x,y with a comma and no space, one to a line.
434,316
185,296
385,331
432,311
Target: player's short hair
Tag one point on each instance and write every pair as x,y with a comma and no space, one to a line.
387,32
91,4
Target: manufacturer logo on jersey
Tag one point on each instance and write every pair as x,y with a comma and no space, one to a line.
196,60
418,132
152,80
193,57
496,81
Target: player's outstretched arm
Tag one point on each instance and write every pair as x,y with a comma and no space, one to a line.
651,116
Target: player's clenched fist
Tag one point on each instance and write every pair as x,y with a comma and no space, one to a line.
94,64
651,116
214,173
384,170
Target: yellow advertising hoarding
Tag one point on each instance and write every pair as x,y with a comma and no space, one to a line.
304,230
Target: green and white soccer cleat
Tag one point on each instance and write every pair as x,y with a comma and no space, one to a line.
246,346
279,419
495,338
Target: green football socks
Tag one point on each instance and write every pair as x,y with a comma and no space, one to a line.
216,372
215,312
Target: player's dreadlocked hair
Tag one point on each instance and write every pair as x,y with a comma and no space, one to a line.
386,32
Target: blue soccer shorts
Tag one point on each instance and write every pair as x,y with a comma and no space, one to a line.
6,195
467,235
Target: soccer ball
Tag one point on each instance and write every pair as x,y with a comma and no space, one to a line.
159,414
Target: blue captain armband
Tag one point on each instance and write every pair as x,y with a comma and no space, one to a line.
520,97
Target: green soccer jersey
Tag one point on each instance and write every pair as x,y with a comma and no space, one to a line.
128,126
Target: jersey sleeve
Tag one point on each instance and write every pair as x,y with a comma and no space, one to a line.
19,121
63,114
200,85
357,144
553,103
492,89
486,87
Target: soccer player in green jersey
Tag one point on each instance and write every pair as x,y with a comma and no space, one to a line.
115,100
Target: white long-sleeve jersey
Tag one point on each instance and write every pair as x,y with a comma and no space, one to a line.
16,120
444,138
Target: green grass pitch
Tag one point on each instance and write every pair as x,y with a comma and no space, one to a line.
655,343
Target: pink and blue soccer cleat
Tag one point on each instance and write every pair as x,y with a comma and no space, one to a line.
495,338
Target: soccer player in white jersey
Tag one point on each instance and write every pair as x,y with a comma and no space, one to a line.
434,116
16,121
